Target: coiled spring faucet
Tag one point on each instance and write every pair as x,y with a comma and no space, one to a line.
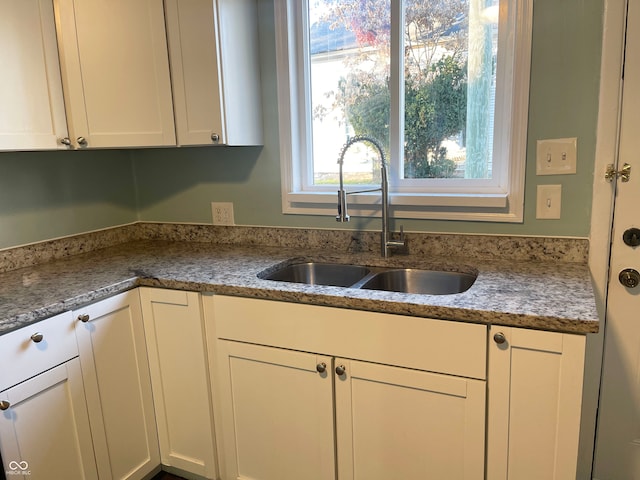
386,243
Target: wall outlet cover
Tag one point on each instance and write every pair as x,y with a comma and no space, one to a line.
222,213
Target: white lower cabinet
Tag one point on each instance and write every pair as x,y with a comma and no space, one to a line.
119,387
174,331
288,414
277,413
44,425
117,383
400,423
534,404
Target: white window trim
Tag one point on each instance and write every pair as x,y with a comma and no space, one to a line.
502,204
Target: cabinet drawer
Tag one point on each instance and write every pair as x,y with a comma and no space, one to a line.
23,354
441,346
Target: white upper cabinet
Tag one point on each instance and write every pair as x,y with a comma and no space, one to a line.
115,73
123,74
32,116
213,47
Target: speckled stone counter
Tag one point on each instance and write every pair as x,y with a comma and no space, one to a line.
534,283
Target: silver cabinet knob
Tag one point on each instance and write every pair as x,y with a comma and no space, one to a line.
341,370
321,367
37,337
65,141
215,138
499,338
4,405
82,141
84,318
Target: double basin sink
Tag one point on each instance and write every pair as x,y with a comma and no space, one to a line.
405,280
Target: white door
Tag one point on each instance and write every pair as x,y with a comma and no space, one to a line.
534,391
277,413
117,383
32,114
45,431
179,378
618,438
115,72
399,423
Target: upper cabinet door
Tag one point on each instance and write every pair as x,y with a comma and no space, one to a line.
32,115
213,46
115,72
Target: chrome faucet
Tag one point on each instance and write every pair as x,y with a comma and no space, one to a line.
386,242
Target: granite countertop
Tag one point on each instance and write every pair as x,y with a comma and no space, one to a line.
555,296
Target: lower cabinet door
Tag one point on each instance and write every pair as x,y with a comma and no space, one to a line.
44,431
179,376
535,396
276,413
117,383
398,423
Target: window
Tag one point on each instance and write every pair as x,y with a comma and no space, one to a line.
442,85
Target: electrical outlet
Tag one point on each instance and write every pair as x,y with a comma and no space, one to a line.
222,213
548,203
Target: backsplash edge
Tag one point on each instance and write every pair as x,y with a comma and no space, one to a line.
517,248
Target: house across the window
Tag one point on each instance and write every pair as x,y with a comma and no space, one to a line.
442,86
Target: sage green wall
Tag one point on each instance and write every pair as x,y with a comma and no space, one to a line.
50,194
46,195
179,185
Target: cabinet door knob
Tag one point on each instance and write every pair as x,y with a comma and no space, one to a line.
499,338
341,370
82,141
37,337
65,141
321,367
215,138
84,318
4,405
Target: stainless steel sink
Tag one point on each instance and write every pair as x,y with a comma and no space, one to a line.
431,282
405,280
312,273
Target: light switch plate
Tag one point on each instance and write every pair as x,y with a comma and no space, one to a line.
556,156
549,201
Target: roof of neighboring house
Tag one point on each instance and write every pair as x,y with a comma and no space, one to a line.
324,38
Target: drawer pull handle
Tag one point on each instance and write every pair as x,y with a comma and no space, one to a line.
84,318
4,405
341,370
37,337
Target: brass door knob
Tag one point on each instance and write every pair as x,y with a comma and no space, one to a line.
629,277
321,367
341,370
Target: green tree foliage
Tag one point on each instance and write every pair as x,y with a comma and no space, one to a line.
435,84
435,109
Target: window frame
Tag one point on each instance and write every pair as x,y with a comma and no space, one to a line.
501,202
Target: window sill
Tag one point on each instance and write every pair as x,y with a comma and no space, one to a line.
492,207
